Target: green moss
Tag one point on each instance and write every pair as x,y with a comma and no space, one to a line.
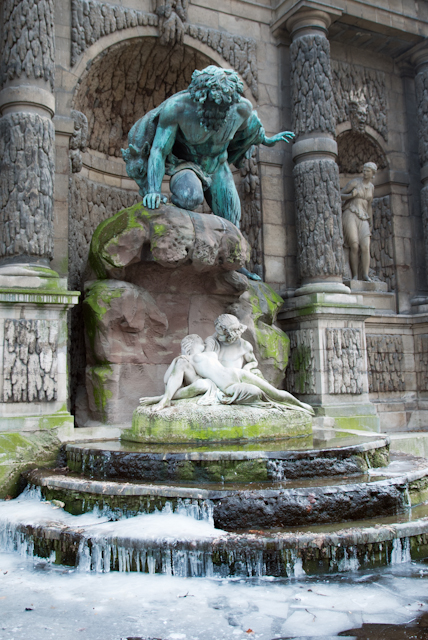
19,453
418,490
101,393
95,305
109,230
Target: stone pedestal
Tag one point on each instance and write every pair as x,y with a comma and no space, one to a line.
328,362
33,349
374,294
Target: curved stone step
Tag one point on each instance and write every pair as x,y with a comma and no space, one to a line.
200,550
268,461
244,507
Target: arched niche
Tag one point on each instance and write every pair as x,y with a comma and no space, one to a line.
127,80
355,149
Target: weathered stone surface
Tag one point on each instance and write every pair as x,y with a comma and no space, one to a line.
30,362
91,20
421,361
344,361
188,422
354,82
251,212
355,149
382,262
78,141
26,185
385,356
258,308
319,218
424,208
28,45
123,323
311,85
170,236
421,86
300,373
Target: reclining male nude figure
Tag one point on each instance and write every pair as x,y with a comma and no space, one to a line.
203,370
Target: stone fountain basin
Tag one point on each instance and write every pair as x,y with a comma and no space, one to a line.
244,506
200,551
290,458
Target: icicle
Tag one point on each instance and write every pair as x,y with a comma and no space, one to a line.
400,551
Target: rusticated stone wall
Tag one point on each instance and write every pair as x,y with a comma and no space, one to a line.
421,361
300,372
311,85
319,218
385,356
251,216
30,360
382,261
352,82
421,86
26,185
344,357
27,48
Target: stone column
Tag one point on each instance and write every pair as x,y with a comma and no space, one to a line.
420,60
27,135
33,298
316,173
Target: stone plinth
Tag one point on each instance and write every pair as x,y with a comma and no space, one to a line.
33,349
186,421
328,362
374,294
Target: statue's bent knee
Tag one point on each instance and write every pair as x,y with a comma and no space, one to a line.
186,190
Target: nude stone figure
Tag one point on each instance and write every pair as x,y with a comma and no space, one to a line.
234,386
232,350
357,198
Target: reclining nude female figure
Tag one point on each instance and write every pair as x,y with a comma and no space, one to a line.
206,375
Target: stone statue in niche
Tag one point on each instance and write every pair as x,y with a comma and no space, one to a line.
357,198
222,370
193,136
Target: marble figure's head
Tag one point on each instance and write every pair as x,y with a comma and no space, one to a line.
369,170
192,344
214,90
228,328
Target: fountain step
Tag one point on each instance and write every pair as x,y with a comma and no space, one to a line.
244,506
270,461
177,545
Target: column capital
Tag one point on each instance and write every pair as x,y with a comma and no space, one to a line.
417,57
306,17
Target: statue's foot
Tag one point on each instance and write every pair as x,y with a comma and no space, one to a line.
160,405
367,279
145,402
250,276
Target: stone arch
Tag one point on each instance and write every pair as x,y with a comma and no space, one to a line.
355,148
128,79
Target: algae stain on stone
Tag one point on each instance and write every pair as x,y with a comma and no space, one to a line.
101,393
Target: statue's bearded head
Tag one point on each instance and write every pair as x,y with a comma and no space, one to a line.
228,328
215,90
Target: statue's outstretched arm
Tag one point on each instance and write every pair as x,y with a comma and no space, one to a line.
284,136
162,145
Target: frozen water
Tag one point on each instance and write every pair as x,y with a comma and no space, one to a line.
40,602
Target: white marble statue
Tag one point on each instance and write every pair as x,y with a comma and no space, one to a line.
357,218
232,350
199,372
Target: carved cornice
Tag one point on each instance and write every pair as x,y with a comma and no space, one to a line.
92,20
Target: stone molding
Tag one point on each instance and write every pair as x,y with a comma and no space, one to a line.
91,20
26,98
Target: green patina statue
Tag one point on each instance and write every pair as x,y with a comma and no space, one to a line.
193,136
